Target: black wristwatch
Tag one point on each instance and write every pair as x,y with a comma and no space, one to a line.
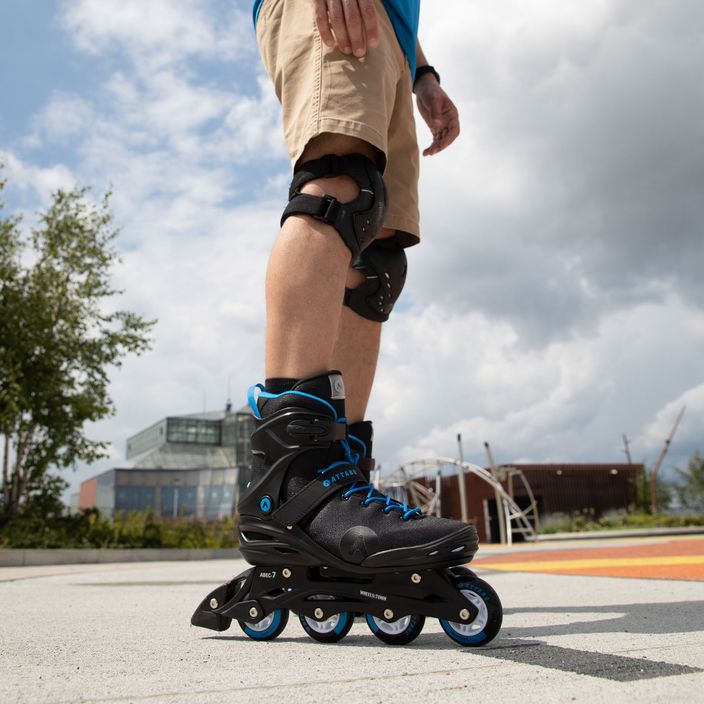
422,70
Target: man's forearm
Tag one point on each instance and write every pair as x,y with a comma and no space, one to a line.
428,74
421,60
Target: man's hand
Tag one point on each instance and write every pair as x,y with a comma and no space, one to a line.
351,25
439,113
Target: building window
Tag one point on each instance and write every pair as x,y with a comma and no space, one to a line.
193,430
178,500
244,426
134,498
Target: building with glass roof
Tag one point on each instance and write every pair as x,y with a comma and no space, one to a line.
189,465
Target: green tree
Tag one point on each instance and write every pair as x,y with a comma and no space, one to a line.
60,333
691,491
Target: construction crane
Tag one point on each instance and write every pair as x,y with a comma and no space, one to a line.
663,452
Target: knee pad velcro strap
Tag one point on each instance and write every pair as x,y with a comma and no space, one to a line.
357,222
384,267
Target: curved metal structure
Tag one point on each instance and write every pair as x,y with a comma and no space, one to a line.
405,484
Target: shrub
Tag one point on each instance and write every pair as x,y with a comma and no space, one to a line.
88,529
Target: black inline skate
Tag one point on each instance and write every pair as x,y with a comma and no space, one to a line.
328,546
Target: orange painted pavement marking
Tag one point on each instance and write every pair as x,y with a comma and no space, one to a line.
669,559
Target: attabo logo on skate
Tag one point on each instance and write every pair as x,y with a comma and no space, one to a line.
340,475
268,575
337,387
371,595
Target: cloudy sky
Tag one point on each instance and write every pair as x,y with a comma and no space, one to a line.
557,299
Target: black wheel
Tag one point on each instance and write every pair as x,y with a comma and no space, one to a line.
330,630
487,622
461,571
267,628
399,632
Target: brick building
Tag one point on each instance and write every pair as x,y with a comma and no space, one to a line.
557,488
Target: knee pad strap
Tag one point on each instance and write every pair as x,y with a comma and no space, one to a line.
357,222
384,266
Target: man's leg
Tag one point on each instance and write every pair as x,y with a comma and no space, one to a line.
355,355
357,349
306,276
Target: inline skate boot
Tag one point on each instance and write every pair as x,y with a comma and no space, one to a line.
328,546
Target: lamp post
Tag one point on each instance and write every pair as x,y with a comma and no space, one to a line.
460,478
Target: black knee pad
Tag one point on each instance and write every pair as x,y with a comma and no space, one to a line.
357,222
384,266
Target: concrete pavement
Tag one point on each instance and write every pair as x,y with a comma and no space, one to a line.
121,633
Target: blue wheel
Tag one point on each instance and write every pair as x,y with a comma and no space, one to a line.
399,632
267,628
487,622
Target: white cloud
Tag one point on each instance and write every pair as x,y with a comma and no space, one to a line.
574,187
158,32
64,117
689,432
42,181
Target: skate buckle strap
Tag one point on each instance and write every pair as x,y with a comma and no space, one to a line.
300,428
315,430
333,478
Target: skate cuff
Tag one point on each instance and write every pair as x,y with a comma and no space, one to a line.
314,493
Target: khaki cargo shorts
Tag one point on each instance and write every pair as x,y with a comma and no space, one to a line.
324,90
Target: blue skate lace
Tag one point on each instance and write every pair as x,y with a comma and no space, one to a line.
373,494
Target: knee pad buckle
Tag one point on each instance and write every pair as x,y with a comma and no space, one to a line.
357,222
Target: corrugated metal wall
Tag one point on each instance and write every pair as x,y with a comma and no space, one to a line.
558,488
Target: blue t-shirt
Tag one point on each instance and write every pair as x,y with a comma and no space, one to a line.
404,18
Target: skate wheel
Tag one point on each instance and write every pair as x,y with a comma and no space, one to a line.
460,571
399,632
267,628
331,629
490,613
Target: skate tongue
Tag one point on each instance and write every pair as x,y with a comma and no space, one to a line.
328,386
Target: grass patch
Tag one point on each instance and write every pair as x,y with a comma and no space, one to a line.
586,520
